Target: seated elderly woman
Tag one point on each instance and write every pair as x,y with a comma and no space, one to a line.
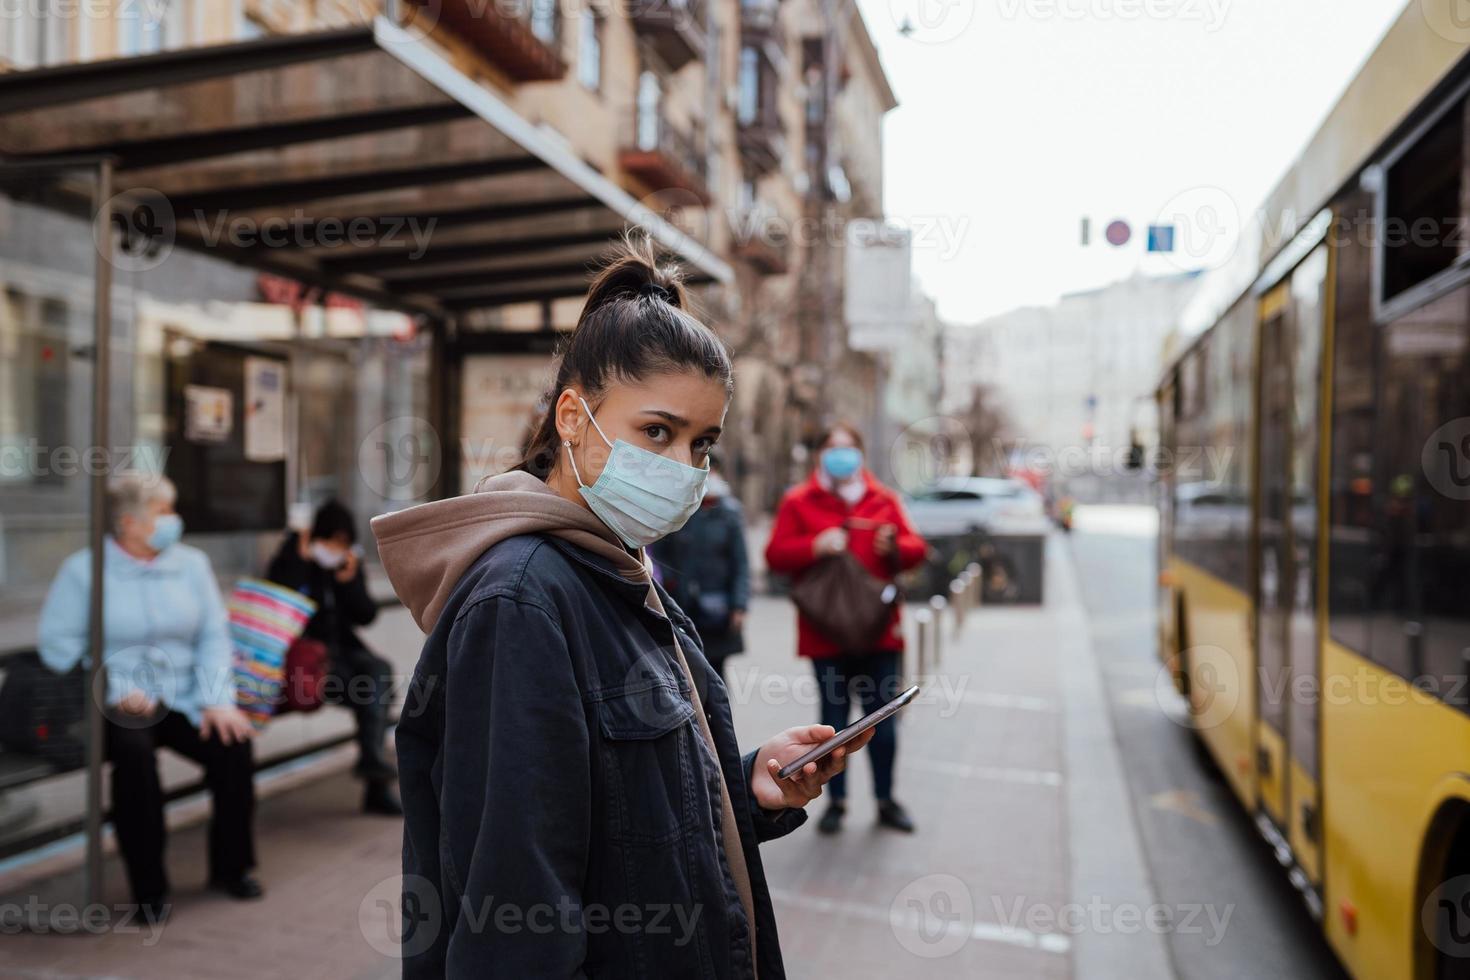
167,657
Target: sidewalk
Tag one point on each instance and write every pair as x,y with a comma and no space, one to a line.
1009,766
1007,763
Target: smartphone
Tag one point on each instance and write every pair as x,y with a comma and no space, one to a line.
849,733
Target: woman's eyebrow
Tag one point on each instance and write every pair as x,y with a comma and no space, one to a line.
680,420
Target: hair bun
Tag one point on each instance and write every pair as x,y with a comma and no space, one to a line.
633,271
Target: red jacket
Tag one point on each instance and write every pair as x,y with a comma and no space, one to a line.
806,511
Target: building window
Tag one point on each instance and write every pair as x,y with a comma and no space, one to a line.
589,50
34,35
650,107
149,28
543,21
750,86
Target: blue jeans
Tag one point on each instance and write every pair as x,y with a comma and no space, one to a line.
869,680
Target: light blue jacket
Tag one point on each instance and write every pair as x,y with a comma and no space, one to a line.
165,631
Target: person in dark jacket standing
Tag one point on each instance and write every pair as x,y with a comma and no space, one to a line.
705,568
575,801
843,507
324,565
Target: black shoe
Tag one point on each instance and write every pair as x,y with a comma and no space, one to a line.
894,817
243,888
831,821
379,799
377,770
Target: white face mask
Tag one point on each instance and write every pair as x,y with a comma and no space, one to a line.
327,556
640,495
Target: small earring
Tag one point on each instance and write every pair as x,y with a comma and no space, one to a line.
567,443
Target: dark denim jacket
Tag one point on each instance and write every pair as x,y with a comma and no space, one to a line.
562,811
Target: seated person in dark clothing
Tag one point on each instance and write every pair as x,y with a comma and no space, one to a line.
325,566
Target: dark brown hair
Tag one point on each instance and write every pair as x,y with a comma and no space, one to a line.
836,427
635,323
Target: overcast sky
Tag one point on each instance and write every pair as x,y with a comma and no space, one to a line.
1020,117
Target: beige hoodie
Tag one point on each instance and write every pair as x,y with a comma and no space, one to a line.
427,549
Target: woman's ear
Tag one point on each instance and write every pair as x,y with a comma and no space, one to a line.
571,420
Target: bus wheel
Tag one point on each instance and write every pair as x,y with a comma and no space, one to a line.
1451,941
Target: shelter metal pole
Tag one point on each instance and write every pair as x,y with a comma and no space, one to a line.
102,394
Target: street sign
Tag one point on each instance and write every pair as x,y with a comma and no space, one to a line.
878,306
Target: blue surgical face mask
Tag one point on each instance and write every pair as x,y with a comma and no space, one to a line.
641,495
841,462
167,529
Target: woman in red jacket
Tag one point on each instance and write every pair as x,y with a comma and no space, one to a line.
842,507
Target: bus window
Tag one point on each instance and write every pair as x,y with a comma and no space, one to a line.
1421,628
1422,205
1354,398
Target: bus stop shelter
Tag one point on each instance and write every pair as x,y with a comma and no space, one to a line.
360,161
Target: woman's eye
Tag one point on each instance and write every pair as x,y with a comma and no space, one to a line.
703,445
658,433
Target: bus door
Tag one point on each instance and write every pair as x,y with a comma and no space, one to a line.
1309,284
1275,577
1170,640
1287,743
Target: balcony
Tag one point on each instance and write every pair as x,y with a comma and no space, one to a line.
760,27
522,38
761,134
661,156
760,238
762,140
674,28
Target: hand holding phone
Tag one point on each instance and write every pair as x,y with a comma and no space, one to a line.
848,734
773,793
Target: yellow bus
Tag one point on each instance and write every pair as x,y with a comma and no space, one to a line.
1315,501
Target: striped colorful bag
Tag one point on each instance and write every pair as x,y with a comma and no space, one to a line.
265,619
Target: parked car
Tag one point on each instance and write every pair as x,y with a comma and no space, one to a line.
957,505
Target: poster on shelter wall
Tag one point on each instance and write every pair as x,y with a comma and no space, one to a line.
208,414
265,410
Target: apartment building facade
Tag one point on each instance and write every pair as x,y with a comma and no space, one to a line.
492,148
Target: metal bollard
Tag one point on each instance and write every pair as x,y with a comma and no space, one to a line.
959,596
977,584
938,604
923,626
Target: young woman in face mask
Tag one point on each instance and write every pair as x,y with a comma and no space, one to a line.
843,507
566,750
